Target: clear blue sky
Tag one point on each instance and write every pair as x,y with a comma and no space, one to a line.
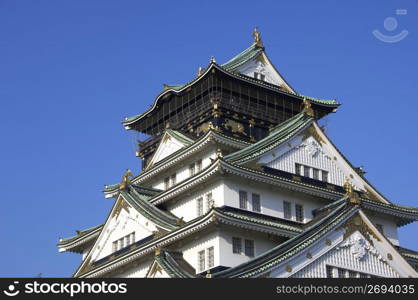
70,71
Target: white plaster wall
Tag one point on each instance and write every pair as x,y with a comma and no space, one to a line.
120,226
302,155
182,168
230,259
186,205
271,198
267,70
342,257
136,271
390,229
199,243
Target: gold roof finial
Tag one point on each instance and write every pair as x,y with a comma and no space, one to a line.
257,38
167,125
350,192
212,60
307,107
125,179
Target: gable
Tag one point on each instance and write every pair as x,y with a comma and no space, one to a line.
312,149
124,220
262,65
355,248
354,257
168,145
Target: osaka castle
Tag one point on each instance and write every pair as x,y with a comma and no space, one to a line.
239,180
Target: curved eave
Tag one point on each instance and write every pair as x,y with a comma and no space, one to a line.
74,244
129,123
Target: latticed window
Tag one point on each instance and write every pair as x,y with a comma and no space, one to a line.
192,169
287,210
211,257
201,261
167,183
209,201
298,169
315,174
132,237
173,178
199,165
330,272
249,248
114,246
199,204
236,245
299,212
243,199
325,176
341,273
306,171
256,203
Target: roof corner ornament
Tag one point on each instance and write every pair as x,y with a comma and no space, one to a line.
208,274
157,251
167,125
219,153
350,192
180,222
199,72
212,60
307,108
257,38
125,180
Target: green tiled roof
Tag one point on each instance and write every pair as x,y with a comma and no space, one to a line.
316,229
81,234
174,264
148,210
261,219
277,136
180,136
246,55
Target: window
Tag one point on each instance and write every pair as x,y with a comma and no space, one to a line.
199,206
236,245
341,273
306,171
315,174
243,200
123,242
256,75
287,210
173,179
298,169
249,248
211,257
209,201
201,261
167,183
192,169
299,213
330,272
256,202
199,165
325,176
262,77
